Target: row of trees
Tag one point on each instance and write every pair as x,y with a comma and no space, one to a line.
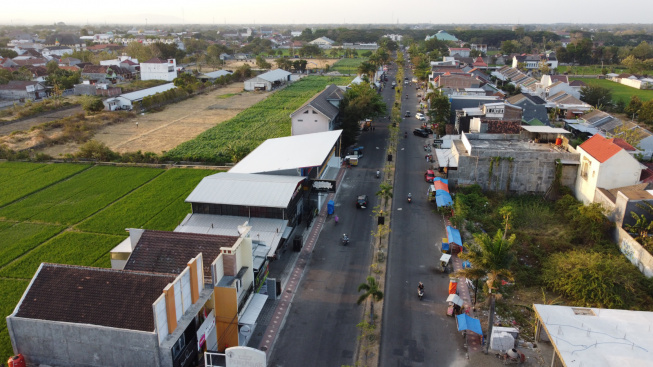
601,98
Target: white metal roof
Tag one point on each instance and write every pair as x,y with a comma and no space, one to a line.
600,337
218,73
292,152
140,94
545,129
274,75
272,191
446,158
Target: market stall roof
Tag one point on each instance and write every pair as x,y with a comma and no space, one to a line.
445,257
272,191
288,153
545,129
454,236
466,322
443,198
455,299
439,185
446,158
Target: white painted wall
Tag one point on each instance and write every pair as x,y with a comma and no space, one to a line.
309,123
620,170
160,71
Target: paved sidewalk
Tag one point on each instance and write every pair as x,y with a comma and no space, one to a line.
274,313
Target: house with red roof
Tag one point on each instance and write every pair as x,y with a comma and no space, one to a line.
606,164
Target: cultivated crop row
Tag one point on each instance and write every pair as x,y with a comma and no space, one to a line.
348,66
72,200
142,205
270,118
18,179
68,248
19,238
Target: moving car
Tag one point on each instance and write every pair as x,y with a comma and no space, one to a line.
429,176
420,116
421,132
407,114
362,201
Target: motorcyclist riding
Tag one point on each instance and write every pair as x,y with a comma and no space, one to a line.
405,134
410,197
420,290
345,239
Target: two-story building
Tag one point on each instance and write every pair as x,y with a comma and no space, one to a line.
605,163
158,69
319,114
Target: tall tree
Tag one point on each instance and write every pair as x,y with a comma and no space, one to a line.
490,257
596,95
372,291
361,102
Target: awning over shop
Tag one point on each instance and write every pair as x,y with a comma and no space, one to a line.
454,298
454,236
466,322
253,309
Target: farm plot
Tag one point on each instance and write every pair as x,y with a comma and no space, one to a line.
70,201
11,291
348,66
71,248
142,205
19,179
267,119
19,238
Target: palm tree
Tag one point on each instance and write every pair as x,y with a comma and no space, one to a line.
385,192
372,290
365,68
491,258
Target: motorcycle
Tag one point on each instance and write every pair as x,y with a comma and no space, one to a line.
378,174
345,240
335,219
420,293
406,96
410,198
405,134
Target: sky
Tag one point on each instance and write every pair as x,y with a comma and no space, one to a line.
291,12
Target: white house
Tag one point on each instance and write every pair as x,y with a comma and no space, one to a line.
605,163
460,51
318,115
157,69
323,42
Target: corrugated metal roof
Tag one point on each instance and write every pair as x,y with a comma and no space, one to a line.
291,152
218,73
545,129
140,94
270,191
274,75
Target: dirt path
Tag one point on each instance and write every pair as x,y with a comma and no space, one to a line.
29,123
177,123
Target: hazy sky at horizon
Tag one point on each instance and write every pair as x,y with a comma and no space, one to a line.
332,12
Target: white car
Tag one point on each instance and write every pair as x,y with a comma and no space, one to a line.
420,116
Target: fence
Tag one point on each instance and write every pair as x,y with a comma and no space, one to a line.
634,252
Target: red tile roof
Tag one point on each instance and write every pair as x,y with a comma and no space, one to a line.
96,296
603,149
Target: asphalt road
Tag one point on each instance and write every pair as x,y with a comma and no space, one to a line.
320,329
416,333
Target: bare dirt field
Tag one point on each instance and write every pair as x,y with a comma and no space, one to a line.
28,123
177,123
312,63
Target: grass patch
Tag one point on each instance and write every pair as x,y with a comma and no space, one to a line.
225,96
347,66
19,238
72,200
19,179
11,291
620,92
71,248
145,203
594,69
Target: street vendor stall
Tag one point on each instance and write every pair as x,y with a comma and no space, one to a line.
444,262
468,323
455,240
455,305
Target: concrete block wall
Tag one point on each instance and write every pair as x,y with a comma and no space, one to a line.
67,344
528,171
634,252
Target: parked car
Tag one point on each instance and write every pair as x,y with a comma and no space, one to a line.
429,176
421,132
420,116
407,114
362,201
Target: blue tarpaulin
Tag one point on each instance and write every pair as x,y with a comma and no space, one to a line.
454,236
443,198
444,180
466,322
445,247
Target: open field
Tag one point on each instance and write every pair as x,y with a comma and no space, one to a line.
235,138
348,66
619,91
594,70
77,215
312,63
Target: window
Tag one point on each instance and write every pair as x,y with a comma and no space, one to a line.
585,167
